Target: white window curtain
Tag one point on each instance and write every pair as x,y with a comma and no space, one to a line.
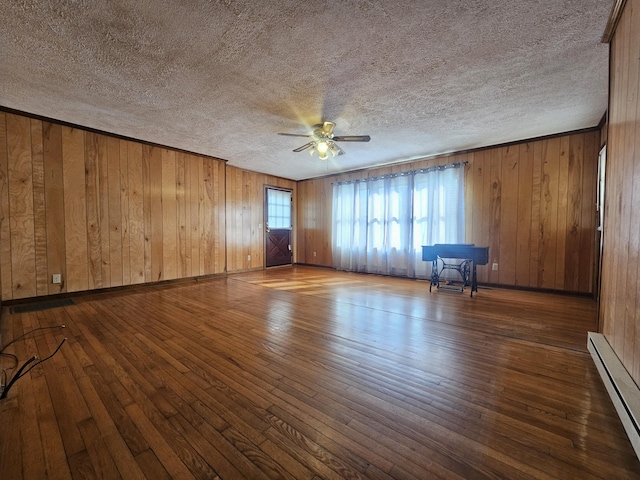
438,212
381,223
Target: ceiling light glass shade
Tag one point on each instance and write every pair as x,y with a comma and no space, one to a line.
323,147
334,149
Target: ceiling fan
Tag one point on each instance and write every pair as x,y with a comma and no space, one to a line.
324,140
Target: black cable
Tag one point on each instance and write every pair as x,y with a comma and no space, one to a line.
15,378
29,332
15,359
3,374
22,372
44,359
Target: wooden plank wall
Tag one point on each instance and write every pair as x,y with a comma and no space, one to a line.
532,203
620,290
245,194
102,211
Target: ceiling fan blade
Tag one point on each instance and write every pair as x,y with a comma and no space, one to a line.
305,146
352,138
327,128
295,135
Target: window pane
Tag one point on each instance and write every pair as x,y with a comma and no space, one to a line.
278,208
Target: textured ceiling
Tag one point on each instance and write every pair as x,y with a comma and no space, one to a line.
221,78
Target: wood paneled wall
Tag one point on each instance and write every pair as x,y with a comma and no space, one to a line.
314,221
533,203
102,211
106,212
245,195
620,291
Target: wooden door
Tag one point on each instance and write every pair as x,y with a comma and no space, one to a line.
278,249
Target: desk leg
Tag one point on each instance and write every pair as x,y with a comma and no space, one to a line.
435,278
474,280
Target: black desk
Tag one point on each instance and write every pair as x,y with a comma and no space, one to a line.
468,253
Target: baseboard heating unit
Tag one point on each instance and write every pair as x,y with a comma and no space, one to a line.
623,391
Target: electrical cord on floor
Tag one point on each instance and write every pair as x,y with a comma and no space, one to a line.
3,374
22,372
5,382
2,349
10,355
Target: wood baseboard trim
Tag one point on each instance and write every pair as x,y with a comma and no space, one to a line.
106,290
623,391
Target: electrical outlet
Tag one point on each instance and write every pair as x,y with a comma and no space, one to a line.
494,267
314,254
56,278
249,257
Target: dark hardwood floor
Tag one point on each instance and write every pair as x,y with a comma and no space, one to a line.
304,373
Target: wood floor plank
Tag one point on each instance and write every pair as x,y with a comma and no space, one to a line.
113,440
81,466
305,451
33,455
296,469
103,463
307,373
278,415
149,463
206,442
11,439
165,452
127,431
56,461
337,427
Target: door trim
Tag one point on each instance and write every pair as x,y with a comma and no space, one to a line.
266,223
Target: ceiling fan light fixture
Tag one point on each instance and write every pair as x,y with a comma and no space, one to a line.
322,147
324,141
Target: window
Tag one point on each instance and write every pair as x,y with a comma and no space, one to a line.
279,209
381,223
